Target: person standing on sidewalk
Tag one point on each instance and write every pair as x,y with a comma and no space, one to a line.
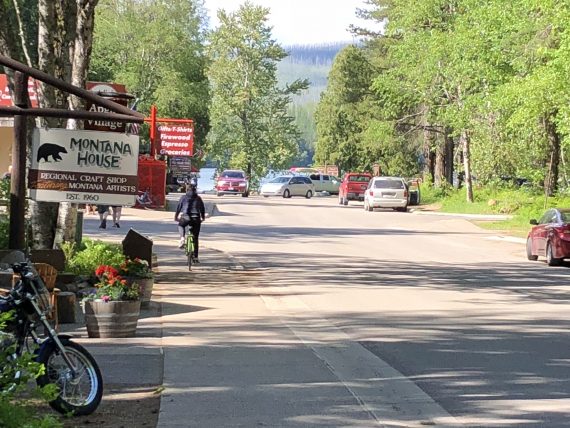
117,210
190,212
103,211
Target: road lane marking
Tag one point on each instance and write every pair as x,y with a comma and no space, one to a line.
387,395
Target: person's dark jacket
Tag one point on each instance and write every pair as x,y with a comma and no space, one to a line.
191,205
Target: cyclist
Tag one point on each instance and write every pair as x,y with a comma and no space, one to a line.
190,212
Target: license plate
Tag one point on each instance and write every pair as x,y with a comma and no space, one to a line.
388,195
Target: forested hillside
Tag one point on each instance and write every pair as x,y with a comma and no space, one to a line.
311,62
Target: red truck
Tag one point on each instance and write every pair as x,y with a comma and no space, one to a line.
353,186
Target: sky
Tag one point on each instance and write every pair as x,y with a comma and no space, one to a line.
302,21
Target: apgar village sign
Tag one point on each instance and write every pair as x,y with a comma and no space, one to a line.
84,167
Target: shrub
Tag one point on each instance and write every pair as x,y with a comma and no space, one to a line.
15,409
91,255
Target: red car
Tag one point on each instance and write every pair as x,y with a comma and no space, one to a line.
550,237
353,186
232,182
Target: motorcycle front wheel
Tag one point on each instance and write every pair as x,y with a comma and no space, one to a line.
79,394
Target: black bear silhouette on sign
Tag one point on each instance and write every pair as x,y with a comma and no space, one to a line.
48,149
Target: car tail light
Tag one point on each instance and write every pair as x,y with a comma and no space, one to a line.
405,193
371,193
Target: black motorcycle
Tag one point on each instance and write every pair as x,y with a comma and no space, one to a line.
67,364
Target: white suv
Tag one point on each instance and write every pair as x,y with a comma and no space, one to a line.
386,192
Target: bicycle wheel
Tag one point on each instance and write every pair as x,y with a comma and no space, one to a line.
190,250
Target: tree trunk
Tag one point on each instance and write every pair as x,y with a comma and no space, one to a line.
449,146
429,167
81,52
46,56
81,55
551,179
9,45
465,142
439,172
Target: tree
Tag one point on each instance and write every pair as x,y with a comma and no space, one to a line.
490,76
56,38
156,48
250,125
342,109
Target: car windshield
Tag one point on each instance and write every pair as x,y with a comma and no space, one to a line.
280,180
360,178
232,174
565,216
388,184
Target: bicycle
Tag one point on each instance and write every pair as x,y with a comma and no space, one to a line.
189,248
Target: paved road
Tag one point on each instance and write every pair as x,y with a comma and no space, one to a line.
342,317
464,316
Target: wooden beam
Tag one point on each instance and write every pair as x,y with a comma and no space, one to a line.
69,114
17,236
67,87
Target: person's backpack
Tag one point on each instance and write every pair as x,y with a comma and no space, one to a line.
192,202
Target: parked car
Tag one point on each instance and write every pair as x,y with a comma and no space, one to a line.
325,183
550,237
353,186
288,186
386,192
232,182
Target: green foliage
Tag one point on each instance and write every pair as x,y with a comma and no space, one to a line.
522,204
251,128
4,219
69,249
342,111
494,71
16,410
155,48
91,255
135,267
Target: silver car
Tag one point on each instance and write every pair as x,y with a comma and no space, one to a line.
386,192
325,183
288,186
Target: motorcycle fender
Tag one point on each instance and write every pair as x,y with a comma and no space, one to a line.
49,343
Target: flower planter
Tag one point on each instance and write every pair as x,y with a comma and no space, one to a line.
146,285
112,319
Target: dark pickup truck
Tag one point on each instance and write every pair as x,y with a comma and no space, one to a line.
353,186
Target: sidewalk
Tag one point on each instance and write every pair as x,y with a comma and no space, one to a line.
133,368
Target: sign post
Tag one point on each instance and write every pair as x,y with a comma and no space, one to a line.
153,112
17,237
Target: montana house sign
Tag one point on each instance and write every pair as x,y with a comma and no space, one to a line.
90,167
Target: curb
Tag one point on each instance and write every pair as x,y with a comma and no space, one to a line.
489,217
513,239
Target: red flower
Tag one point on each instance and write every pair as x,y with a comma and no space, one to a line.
106,270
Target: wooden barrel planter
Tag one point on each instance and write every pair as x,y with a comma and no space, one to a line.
146,285
112,319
